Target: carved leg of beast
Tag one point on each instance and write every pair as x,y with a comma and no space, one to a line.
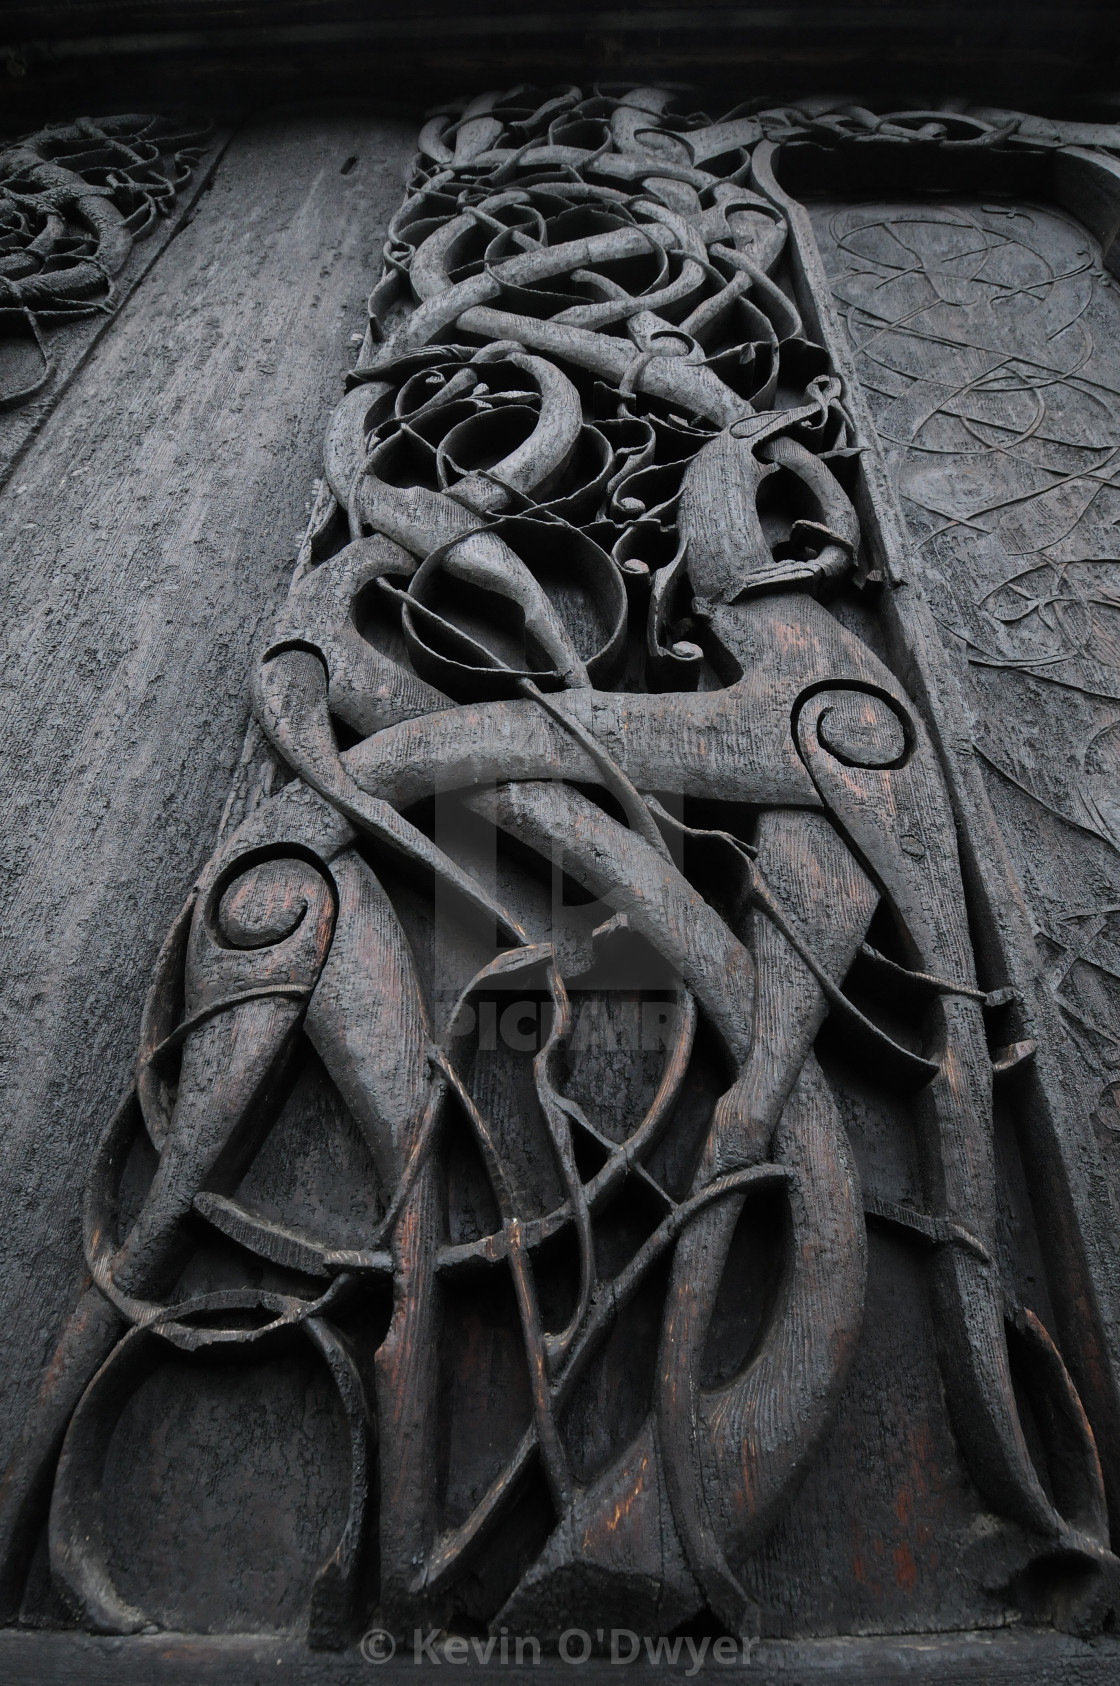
734,1454
242,1005
897,818
713,1467
369,1023
407,1369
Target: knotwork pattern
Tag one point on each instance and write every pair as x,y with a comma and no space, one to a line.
73,199
591,807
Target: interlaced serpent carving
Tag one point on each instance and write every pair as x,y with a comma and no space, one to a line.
564,712
73,199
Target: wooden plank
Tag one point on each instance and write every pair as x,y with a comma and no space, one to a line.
151,527
843,801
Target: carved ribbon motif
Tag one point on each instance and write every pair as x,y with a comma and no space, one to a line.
73,198
589,496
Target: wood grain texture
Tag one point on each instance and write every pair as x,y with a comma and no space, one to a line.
150,526
757,1287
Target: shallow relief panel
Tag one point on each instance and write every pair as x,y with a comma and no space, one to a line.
985,338
601,1149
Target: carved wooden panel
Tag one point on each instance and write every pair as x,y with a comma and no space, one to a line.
986,340
84,209
604,1150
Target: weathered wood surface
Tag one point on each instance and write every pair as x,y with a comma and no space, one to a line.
147,531
599,1151
1006,469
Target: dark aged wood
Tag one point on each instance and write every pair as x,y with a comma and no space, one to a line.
234,54
613,1141
147,532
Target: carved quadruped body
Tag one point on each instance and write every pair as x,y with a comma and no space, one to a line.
578,700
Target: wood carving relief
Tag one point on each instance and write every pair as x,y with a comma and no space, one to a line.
73,199
985,338
592,1101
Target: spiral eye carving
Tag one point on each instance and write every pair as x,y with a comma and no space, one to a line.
267,903
859,727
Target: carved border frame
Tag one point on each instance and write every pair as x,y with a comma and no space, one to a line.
1060,1151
